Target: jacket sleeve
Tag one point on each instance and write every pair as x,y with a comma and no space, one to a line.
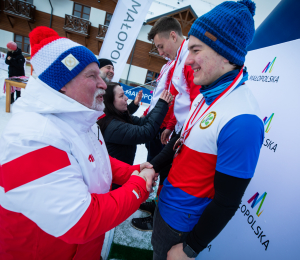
122,171
128,134
49,190
17,61
8,62
229,191
132,108
172,121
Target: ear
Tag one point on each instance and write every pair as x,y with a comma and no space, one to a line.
173,36
63,89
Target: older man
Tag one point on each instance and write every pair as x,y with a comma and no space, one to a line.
55,174
107,73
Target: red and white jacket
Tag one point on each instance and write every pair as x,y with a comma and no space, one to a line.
55,178
179,80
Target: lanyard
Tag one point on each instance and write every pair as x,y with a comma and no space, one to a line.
175,64
192,120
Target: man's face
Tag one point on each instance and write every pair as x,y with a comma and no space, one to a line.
166,46
87,88
108,71
208,65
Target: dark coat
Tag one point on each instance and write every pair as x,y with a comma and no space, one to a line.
132,108
16,63
121,138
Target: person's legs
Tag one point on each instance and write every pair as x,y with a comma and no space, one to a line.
164,237
12,97
18,93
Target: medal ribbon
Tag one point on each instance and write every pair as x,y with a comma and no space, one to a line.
175,64
191,122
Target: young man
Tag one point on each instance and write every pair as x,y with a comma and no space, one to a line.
55,175
107,73
220,141
178,79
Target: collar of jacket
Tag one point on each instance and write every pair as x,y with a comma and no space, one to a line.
38,97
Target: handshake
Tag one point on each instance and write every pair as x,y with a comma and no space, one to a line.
148,174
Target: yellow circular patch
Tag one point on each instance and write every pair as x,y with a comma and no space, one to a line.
208,120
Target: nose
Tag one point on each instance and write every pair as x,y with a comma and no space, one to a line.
189,60
101,83
160,52
126,98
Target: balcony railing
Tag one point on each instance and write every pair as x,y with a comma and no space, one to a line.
154,52
19,9
74,24
102,30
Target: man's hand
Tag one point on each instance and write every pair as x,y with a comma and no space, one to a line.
176,253
138,97
146,165
149,176
8,57
165,136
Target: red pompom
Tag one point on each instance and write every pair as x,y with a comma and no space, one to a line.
41,36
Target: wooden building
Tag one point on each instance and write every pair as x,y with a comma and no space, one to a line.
86,22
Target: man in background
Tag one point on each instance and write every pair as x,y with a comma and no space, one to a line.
107,73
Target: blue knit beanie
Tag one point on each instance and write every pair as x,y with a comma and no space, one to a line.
228,29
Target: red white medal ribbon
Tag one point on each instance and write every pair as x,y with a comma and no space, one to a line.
195,118
178,55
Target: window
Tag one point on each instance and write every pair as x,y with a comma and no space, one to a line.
151,76
81,11
107,19
22,42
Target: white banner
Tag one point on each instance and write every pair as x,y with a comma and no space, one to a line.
122,32
266,226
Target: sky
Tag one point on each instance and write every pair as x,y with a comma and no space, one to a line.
158,7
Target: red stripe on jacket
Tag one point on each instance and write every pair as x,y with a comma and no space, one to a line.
32,166
197,176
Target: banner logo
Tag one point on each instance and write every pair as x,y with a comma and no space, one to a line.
265,79
269,66
268,121
256,200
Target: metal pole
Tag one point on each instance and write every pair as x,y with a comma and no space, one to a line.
51,14
130,63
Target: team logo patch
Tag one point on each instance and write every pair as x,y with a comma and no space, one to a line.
70,62
208,120
137,192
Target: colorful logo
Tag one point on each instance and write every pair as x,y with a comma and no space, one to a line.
256,200
208,120
268,121
269,66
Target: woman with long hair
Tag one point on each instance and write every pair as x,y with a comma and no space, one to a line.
122,131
